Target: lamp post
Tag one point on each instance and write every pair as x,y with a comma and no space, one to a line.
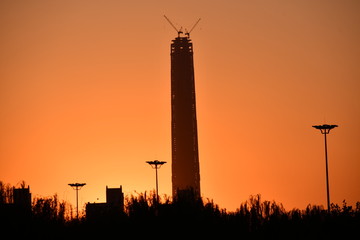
77,187
156,165
325,129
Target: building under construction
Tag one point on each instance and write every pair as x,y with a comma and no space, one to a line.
185,155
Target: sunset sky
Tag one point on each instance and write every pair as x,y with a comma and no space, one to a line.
85,97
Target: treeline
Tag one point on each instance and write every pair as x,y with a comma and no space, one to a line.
185,216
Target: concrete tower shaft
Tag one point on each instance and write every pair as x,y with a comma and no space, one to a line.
185,156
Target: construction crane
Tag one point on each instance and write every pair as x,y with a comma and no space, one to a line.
178,31
187,33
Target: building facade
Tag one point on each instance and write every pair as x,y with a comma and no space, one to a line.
185,154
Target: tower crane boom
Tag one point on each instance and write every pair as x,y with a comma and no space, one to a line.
178,31
194,25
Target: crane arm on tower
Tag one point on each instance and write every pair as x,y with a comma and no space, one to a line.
171,23
178,31
194,25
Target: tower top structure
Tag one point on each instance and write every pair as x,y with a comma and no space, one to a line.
179,31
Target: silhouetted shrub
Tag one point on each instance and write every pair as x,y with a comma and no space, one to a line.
6,193
184,216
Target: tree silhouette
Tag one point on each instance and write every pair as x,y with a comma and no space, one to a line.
183,216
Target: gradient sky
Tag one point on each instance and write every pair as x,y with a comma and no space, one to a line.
85,97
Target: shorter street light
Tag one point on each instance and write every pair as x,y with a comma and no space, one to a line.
77,187
325,129
156,165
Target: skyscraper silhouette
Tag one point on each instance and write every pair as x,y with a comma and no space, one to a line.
185,156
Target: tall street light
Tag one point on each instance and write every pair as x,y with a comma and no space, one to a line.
77,187
156,165
325,129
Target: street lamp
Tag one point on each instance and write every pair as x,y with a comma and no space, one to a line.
156,165
77,187
325,129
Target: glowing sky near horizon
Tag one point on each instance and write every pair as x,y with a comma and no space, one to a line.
85,97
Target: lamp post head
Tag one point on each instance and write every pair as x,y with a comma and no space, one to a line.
325,128
76,185
155,164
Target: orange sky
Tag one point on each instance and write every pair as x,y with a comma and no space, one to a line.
85,97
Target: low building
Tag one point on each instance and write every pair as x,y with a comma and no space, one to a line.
112,208
22,199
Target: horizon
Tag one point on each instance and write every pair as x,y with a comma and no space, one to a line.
85,97
164,199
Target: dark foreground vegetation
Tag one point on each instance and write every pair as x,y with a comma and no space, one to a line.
185,217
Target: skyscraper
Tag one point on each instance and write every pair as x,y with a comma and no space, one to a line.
185,155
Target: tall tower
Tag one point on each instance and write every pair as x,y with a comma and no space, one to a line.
185,156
